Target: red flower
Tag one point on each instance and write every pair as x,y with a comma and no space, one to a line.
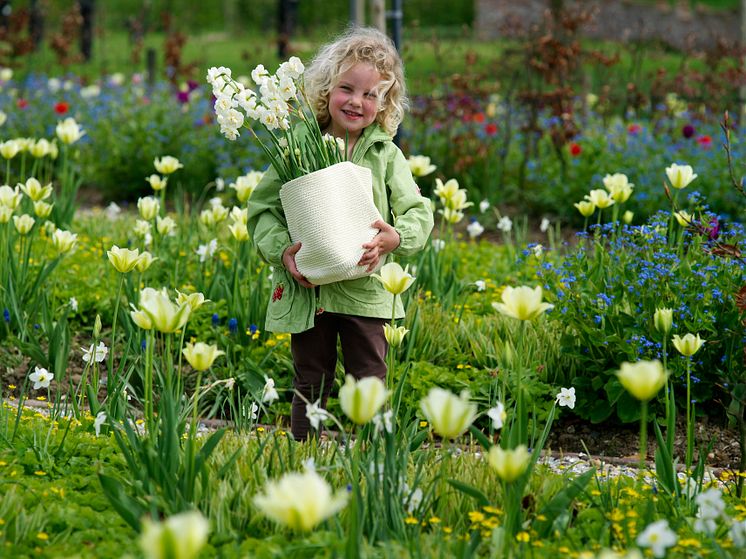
61,108
705,141
491,129
22,103
575,149
478,117
634,128
277,293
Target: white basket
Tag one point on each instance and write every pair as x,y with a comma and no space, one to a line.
330,211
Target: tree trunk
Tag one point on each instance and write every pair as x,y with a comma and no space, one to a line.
286,25
35,23
378,14
86,31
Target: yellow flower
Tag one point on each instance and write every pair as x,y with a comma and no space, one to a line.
34,190
194,300
167,164
40,148
600,198
448,414
523,303
10,197
299,501
164,225
451,216
585,208
688,345
361,400
23,223
509,464
123,259
9,149
201,356
662,320
680,175
181,536
63,241
445,191
394,278
68,131
420,165
394,335
627,217
643,379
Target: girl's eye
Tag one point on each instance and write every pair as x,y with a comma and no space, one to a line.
345,88
370,95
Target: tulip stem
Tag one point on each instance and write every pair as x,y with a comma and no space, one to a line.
643,436
689,417
110,376
148,380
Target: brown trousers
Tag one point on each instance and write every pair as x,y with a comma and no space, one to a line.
314,351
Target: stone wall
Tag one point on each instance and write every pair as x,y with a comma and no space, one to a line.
620,20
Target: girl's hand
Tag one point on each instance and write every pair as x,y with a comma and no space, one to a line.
288,260
386,241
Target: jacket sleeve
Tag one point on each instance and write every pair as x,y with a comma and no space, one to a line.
266,222
413,213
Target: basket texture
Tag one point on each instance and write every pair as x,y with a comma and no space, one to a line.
330,212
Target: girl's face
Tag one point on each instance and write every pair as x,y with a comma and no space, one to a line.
353,104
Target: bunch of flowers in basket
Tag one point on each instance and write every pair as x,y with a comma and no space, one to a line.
280,107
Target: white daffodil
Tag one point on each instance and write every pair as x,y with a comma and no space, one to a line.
97,353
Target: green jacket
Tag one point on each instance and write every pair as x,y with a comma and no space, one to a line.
292,308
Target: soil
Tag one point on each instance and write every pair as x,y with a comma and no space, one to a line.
609,440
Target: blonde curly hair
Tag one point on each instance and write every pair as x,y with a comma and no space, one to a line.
359,44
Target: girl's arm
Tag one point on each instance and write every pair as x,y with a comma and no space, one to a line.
266,223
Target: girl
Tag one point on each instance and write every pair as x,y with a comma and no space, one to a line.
355,86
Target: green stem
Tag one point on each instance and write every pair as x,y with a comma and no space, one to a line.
148,381
689,422
643,437
114,329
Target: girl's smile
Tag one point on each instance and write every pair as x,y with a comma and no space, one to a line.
353,102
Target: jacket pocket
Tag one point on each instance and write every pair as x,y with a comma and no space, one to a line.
281,296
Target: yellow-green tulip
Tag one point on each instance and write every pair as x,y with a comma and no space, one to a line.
148,207
40,148
688,345
451,216
201,356
23,223
643,379
600,198
165,225
246,184
361,400
68,131
680,175
509,464
394,334
585,208
299,501
683,218
63,241
42,209
627,217
420,165
34,190
5,214
239,231
9,149
181,536
448,414
165,316
394,278
123,259
523,303
157,182
144,261
167,164
619,187
662,319
194,300
10,197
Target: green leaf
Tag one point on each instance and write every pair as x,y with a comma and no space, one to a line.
664,466
481,437
128,508
470,490
560,503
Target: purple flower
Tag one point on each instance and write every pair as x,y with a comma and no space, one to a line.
183,96
688,131
714,230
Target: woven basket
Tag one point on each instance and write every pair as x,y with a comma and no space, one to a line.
330,212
